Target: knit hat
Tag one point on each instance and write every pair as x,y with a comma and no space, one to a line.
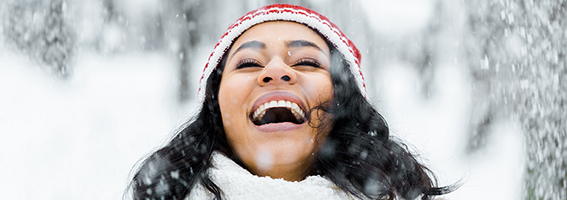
285,12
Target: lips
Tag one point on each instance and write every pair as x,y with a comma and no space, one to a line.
278,108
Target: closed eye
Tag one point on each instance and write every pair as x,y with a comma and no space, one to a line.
248,63
308,62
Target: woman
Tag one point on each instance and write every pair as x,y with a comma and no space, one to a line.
284,116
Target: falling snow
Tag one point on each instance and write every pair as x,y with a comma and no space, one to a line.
476,88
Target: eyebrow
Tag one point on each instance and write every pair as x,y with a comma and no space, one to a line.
291,44
252,44
303,43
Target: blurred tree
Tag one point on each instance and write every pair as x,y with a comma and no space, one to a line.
184,18
111,37
127,26
427,50
110,12
487,58
41,30
517,56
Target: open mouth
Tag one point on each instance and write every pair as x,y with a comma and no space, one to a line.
278,112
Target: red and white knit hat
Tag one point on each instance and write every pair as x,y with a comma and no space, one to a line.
285,12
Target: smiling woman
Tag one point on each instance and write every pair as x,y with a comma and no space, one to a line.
279,71
284,116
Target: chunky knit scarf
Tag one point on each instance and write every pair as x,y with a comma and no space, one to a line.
238,183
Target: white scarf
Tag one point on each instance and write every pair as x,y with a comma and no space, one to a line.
238,183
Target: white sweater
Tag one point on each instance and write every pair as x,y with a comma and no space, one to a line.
238,183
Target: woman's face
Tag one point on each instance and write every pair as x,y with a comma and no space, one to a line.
275,73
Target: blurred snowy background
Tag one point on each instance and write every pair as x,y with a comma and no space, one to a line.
89,87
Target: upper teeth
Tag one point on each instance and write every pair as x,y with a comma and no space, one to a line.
260,111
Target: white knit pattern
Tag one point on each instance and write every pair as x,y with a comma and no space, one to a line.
285,14
237,183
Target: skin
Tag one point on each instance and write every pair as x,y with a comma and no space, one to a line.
276,49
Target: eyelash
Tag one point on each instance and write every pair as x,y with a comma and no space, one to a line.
248,63
254,63
309,62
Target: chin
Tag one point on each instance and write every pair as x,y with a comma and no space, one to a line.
289,146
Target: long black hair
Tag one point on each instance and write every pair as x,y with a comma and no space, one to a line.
359,155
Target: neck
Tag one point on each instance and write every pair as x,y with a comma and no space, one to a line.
295,171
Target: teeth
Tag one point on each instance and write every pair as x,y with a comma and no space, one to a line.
260,111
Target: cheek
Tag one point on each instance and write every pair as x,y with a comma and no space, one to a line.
319,89
233,105
226,102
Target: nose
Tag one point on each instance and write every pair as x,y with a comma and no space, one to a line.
277,72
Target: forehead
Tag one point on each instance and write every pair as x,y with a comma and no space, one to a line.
274,31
